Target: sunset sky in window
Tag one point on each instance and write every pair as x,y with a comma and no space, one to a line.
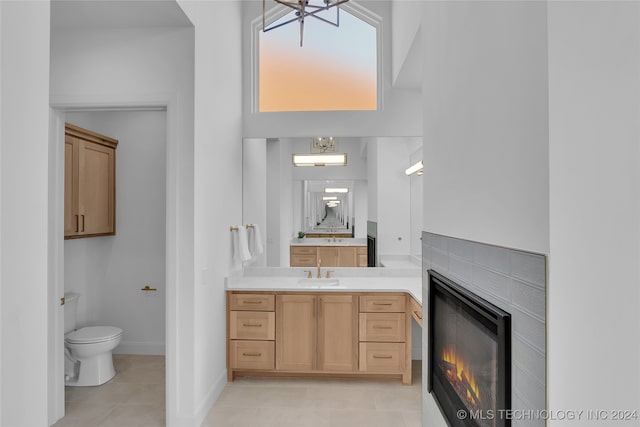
336,69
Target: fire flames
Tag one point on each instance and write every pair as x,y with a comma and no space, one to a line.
460,377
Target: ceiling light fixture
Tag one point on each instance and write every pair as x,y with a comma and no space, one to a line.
302,9
324,144
417,168
330,198
319,159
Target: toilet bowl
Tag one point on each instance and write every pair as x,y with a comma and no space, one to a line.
91,347
88,350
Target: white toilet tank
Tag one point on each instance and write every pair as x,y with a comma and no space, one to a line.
70,311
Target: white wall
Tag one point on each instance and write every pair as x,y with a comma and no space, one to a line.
594,124
152,66
485,116
254,189
372,179
274,203
400,115
416,209
394,197
406,19
485,122
109,271
218,185
24,151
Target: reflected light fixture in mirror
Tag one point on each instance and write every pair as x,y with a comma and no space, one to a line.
320,159
417,168
324,144
336,190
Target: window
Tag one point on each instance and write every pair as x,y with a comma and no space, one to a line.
336,69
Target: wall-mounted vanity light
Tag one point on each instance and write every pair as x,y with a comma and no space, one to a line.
336,190
417,168
319,159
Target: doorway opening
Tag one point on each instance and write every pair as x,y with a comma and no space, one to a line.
110,272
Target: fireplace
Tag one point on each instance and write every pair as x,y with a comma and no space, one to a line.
469,365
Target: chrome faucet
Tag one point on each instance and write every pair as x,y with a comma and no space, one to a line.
319,264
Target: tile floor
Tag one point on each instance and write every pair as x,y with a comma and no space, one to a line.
135,398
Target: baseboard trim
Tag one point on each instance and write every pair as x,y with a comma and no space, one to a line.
146,348
210,398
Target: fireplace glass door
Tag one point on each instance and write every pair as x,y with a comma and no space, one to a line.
469,348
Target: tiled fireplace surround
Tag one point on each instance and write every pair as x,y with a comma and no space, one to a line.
512,280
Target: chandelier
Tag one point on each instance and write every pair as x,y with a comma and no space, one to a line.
304,8
324,144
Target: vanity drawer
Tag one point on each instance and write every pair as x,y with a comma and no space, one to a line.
252,354
252,325
260,302
303,250
387,327
361,255
382,303
382,357
416,310
303,261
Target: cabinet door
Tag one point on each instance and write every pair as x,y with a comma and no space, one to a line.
71,215
328,255
337,333
347,257
96,188
295,332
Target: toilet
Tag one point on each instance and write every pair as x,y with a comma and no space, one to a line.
88,358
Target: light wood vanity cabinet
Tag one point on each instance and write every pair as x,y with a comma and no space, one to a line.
385,335
296,337
318,334
331,256
89,183
303,256
337,333
251,331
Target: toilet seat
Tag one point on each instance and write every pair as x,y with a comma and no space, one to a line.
93,334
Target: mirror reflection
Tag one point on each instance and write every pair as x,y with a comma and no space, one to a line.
367,212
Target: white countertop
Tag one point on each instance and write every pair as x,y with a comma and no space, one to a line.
412,285
316,241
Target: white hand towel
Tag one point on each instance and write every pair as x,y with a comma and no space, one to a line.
243,244
255,241
239,247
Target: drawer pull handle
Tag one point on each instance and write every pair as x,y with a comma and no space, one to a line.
251,302
377,356
252,354
382,303
252,325
382,327
417,313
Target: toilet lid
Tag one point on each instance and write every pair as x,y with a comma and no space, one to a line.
93,334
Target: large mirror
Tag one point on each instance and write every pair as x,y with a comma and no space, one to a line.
368,203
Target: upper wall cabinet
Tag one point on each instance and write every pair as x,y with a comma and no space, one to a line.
89,183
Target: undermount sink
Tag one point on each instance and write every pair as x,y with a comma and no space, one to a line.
320,283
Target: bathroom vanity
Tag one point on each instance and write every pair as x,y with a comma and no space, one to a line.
347,327
332,251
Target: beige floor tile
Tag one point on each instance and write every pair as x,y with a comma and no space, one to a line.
351,418
134,416
412,418
136,398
